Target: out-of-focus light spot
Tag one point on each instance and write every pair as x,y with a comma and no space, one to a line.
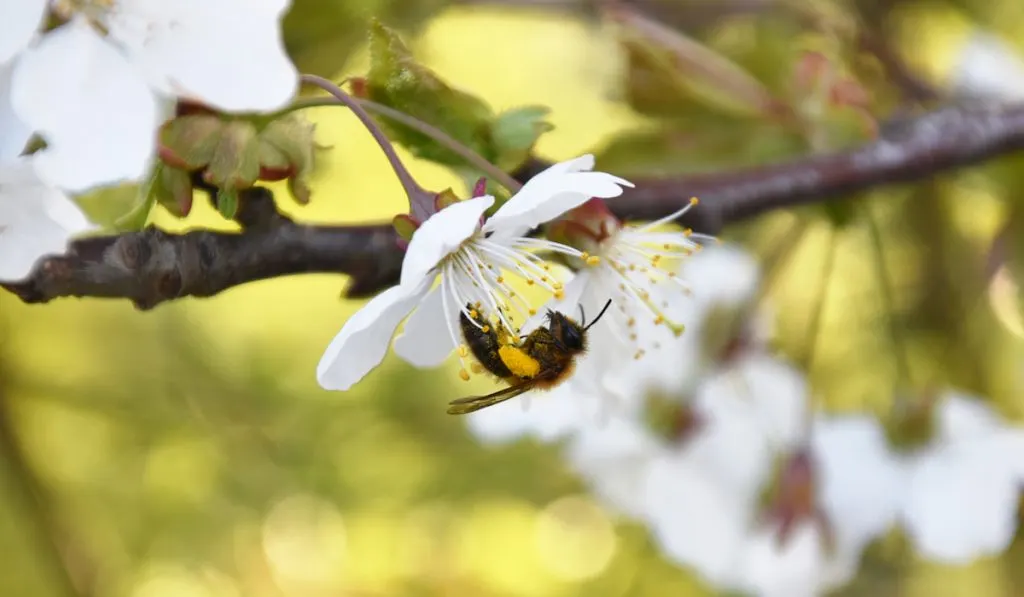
427,545
184,470
177,581
496,549
79,446
1004,298
575,538
304,539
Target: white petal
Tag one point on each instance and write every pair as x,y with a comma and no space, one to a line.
613,460
14,135
552,193
777,393
861,480
228,54
962,417
987,67
35,219
442,234
794,569
94,109
364,339
19,21
698,523
425,340
550,416
961,504
722,276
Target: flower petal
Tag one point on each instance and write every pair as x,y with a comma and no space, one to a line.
861,479
552,193
20,21
698,523
794,569
962,417
228,54
425,340
95,111
35,219
550,416
14,135
777,395
960,504
364,339
442,234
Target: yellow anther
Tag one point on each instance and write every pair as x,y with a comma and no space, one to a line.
632,267
631,322
529,282
511,293
500,280
557,285
533,311
473,314
486,329
659,320
559,294
694,201
464,374
547,267
463,351
666,246
622,287
632,337
688,232
593,260
584,256
543,278
655,259
671,274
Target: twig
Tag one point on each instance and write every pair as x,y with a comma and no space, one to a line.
153,266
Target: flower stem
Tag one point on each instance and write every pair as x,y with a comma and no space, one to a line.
443,138
412,188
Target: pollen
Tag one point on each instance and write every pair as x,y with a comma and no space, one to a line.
464,374
688,232
659,320
486,329
585,256
593,260
559,294
532,311
500,279
530,282
477,368
557,285
518,362
463,351
694,201
474,314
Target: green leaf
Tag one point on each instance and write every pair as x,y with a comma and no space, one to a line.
665,66
515,132
398,81
227,202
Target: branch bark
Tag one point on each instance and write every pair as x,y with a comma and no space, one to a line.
153,266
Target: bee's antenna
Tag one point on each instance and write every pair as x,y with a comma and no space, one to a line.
599,315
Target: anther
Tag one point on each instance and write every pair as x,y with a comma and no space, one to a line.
463,351
694,201
486,329
464,374
593,260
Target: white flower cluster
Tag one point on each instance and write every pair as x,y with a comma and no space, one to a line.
714,446
97,87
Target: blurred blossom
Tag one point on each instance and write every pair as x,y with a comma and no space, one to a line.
470,257
36,219
988,67
92,86
964,486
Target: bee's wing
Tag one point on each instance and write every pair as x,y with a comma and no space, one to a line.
470,404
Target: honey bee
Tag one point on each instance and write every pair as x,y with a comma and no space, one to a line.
539,360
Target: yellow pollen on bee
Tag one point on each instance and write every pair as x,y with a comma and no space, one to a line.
593,260
464,374
518,362
463,351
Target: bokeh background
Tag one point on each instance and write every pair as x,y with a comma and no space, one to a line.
188,451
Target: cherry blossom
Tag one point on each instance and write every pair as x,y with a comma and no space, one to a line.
470,258
92,87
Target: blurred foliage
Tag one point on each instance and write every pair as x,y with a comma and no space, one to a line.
188,451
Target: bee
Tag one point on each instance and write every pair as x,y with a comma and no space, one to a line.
539,360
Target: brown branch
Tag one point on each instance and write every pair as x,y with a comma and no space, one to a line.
153,266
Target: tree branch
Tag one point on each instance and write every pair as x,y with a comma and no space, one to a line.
152,266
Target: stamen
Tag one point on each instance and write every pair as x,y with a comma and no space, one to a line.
464,374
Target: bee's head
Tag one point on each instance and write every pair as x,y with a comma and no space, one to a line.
569,333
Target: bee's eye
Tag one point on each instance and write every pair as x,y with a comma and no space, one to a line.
572,337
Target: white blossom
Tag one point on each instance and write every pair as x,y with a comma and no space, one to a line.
470,260
92,87
36,219
964,486
987,67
